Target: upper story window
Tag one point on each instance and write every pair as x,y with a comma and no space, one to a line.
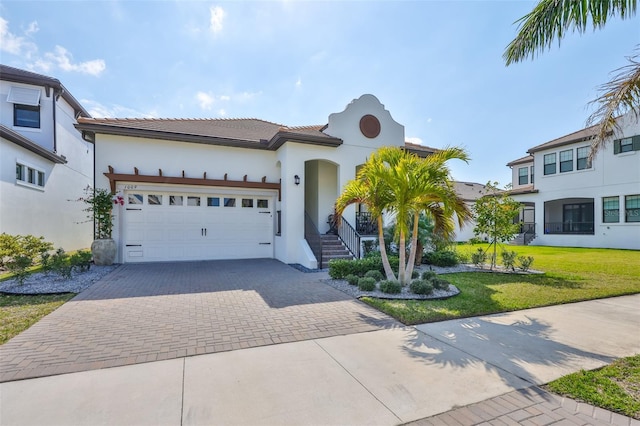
26,106
29,175
531,174
583,158
550,164
26,116
626,144
523,176
566,161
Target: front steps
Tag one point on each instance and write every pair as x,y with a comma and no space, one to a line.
333,248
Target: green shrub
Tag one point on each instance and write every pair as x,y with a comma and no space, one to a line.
9,247
525,262
12,246
479,257
415,274
475,240
429,275
367,284
60,263
18,266
352,279
441,258
390,287
340,268
421,287
440,284
81,260
375,274
509,259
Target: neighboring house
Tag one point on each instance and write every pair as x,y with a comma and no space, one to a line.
235,188
44,162
569,201
469,192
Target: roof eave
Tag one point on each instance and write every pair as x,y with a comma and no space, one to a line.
281,137
28,144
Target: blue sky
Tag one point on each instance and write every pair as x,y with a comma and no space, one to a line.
436,65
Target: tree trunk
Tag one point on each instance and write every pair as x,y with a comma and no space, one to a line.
383,252
403,255
414,247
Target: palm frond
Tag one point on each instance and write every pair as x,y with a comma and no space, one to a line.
617,97
552,19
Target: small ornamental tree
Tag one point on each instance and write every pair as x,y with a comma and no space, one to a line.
100,204
494,214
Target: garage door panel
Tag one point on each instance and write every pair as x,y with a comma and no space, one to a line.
199,227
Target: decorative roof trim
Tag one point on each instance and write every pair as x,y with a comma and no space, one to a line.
523,160
30,145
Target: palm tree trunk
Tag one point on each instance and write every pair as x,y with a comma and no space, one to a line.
414,247
383,252
403,255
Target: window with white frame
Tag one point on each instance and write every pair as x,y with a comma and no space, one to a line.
583,158
566,161
610,209
632,208
523,176
29,175
531,174
550,164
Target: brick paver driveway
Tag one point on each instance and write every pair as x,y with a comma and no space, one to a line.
149,312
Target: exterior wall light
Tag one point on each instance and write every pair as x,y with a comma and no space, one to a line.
296,179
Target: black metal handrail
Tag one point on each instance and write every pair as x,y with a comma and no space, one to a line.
350,237
584,228
365,224
312,235
529,232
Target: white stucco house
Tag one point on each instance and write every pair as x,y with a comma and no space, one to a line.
568,201
470,192
44,162
235,188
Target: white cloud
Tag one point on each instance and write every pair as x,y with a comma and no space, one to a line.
63,59
299,82
225,98
217,16
415,140
205,100
222,112
12,43
429,120
32,28
99,110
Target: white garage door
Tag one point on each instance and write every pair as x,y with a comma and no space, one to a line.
163,226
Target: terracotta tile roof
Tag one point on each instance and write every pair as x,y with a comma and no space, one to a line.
17,75
523,160
243,132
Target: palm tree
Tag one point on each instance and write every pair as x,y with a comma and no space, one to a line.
405,185
552,19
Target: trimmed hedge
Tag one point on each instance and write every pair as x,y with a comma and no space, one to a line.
352,279
421,287
375,274
367,284
390,287
340,268
441,258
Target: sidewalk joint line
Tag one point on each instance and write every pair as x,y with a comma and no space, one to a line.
358,381
184,368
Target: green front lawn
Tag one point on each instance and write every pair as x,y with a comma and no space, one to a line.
571,275
615,387
17,313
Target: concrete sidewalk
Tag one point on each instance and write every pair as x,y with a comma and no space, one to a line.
469,371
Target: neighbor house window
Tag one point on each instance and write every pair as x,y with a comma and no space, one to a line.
632,208
29,175
531,174
523,176
26,116
626,144
583,158
566,161
610,209
550,164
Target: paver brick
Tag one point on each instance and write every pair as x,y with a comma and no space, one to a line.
147,312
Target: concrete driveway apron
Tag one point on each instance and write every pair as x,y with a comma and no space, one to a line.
151,312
